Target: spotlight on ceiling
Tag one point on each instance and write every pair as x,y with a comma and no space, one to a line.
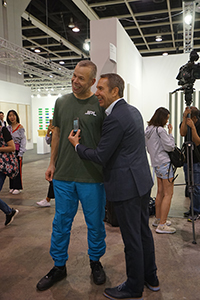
61,62
4,3
37,50
188,19
75,29
165,54
71,23
86,45
158,38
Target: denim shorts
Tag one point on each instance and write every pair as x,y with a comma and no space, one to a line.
163,171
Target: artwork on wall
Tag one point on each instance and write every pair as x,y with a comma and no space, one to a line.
44,115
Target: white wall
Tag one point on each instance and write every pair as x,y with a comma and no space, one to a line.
16,96
102,33
129,66
128,60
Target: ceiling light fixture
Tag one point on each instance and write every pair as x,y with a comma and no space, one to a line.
4,3
165,54
158,38
37,50
188,19
71,23
75,29
86,45
61,62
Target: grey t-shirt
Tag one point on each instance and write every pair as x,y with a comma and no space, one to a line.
69,166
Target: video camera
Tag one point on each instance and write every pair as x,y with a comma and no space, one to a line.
187,75
190,71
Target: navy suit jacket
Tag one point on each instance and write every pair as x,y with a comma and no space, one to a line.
122,153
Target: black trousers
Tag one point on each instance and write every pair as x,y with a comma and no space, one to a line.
16,182
50,193
133,219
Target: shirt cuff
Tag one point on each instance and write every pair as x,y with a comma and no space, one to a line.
76,147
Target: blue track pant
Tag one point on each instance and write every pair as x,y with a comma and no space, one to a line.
93,200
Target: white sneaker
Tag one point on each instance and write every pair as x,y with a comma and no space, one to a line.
16,192
44,203
156,222
11,191
165,229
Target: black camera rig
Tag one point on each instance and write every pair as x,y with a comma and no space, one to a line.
187,75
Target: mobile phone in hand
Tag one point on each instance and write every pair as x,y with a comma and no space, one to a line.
76,125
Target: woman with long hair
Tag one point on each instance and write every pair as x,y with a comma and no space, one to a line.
18,134
158,143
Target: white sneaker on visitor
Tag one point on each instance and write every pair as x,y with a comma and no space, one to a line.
156,222
16,192
163,228
44,203
11,191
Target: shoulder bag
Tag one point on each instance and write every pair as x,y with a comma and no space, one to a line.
8,160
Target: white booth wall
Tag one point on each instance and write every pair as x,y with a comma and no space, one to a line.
128,62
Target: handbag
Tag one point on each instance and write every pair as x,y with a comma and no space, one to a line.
177,158
8,160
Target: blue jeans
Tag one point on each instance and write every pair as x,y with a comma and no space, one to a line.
93,200
3,206
196,193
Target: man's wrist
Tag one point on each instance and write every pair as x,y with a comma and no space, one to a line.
76,147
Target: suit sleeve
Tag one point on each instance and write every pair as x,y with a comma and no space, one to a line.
112,134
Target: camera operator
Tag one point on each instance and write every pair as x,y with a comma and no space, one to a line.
194,123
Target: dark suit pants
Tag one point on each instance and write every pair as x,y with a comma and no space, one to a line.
133,218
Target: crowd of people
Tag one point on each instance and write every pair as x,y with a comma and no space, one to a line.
106,158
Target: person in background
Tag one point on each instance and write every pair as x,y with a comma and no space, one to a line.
48,138
74,179
127,179
158,143
194,123
18,134
8,211
3,123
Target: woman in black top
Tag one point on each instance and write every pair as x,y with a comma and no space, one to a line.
9,212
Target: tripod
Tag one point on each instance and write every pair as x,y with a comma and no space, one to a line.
190,167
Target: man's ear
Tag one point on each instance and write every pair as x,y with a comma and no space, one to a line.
93,81
115,92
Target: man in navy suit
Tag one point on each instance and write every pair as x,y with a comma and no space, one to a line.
128,183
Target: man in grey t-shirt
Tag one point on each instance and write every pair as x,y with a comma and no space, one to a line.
75,180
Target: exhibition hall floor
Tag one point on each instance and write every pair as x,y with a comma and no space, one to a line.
24,248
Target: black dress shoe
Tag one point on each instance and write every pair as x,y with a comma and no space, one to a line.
99,276
54,275
122,292
153,284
